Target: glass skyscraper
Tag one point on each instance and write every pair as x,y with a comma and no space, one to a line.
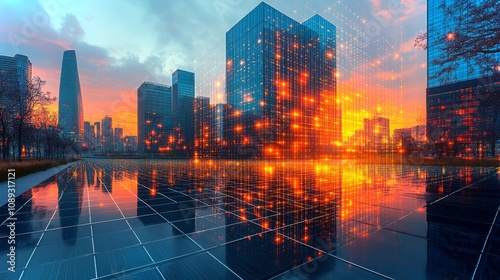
462,118
281,88
15,75
154,116
202,124
70,98
183,111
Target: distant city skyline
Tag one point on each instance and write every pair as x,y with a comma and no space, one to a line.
191,36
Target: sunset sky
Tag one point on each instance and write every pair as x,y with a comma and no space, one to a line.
120,44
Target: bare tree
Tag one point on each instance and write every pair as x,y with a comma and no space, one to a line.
26,102
46,121
473,35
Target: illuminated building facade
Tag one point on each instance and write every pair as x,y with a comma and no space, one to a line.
217,138
154,116
183,111
107,134
130,144
400,134
70,98
97,131
88,135
418,133
118,140
202,124
281,87
377,134
462,114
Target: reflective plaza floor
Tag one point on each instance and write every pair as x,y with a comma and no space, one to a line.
140,219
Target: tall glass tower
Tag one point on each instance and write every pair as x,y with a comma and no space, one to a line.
281,88
183,110
70,98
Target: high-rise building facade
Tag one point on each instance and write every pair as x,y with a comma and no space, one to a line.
118,139
202,124
154,116
15,75
118,133
107,127
418,133
218,117
70,98
330,114
183,111
462,119
280,83
87,135
377,134
97,133
130,144
107,134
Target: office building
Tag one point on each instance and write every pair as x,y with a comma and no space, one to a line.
70,98
183,111
15,76
202,127
154,116
97,133
462,107
218,117
118,133
130,144
88,135
281,89
107,134
107,127
418,133
377,134
400,134
118,139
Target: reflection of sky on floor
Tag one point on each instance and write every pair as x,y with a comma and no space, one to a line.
256,220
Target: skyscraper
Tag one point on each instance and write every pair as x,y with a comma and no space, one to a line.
15,75
183,110
330,115
70,97
107,134
107,127
154,117
118,139
462,109
87,134
202,124
217,127
97,133
280,83
377,134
